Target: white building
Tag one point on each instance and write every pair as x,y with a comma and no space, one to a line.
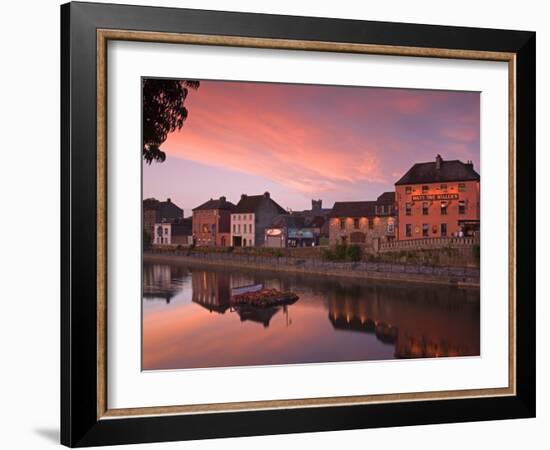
170,233
243,229
162,233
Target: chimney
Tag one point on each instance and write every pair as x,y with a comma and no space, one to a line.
222,199
470,164
243,196
168,200
438,161
266,194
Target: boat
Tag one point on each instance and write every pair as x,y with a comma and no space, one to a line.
244,289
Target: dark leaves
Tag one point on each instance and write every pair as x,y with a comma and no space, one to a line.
163,113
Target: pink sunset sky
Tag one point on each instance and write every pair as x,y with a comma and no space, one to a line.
303,142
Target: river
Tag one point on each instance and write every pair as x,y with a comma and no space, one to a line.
189,323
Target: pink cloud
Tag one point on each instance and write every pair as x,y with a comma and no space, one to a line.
462,133
231,132
312,140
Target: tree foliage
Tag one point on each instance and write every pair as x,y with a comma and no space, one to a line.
163,113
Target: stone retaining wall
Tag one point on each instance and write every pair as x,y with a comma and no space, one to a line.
463,276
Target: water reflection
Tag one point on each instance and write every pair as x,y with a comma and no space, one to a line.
334,320
211,290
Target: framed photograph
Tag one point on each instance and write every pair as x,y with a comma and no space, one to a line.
277,224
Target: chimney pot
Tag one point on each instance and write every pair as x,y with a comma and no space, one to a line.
266,194
222,198
438,161
243,196
168,200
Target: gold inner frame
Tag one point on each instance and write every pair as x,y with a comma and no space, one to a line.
103,36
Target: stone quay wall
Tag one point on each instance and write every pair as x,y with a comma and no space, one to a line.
459,276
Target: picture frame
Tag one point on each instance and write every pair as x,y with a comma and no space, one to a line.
86,418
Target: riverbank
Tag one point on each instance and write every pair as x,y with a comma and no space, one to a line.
457,276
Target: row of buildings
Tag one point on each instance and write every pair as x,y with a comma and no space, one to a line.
433,199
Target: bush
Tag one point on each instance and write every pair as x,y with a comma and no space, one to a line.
340,252
343,252
327,254
147,240
354,253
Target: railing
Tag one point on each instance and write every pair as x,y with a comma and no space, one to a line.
427,243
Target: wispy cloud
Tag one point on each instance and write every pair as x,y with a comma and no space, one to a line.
320,139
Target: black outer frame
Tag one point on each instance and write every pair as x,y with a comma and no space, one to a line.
79,424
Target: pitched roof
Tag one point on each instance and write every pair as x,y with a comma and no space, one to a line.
387,198
250,203
299,221
219,203
428,172
164,210
288,220
353,209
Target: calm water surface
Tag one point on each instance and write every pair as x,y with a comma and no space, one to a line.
188,322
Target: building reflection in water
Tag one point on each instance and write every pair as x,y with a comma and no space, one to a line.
334,319
212,290
417,323
163,282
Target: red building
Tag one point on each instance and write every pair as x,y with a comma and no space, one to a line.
211,223
438,199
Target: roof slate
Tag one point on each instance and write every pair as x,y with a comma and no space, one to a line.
387,198
216,204
449,171
250,203
353,209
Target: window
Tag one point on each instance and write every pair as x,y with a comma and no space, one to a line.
443,208
424,189
425,207
342,224
408,230
461,187
408,190
390,228
461,207
204,228
371,224
239,228
408,209
443,187
234,228
425,230
250,228
250,217
166,231
443,230
356,223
